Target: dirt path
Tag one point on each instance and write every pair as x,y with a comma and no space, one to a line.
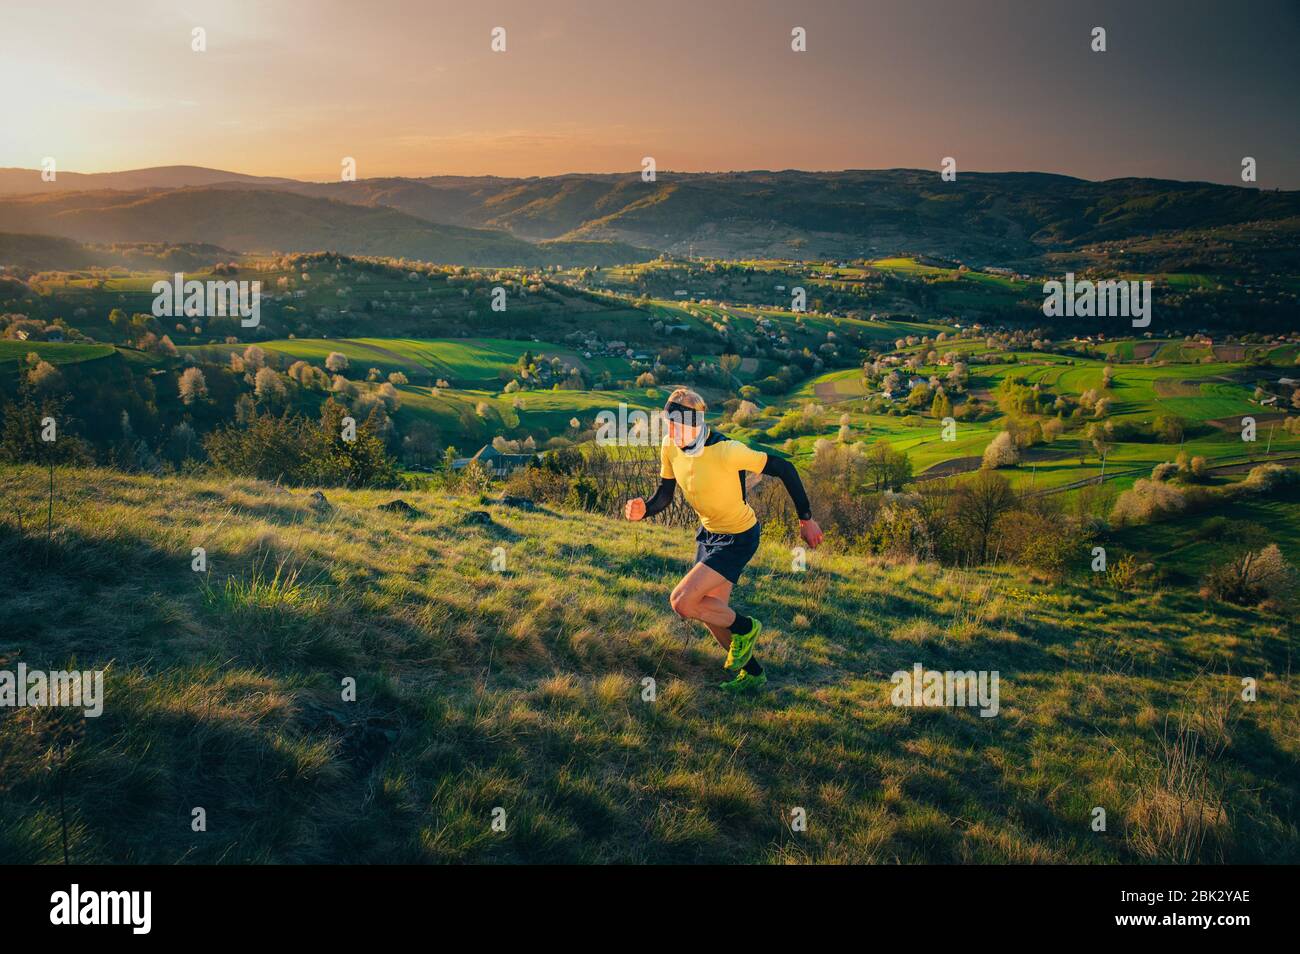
1233,423
1251,465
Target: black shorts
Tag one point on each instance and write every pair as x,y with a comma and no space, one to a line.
727,553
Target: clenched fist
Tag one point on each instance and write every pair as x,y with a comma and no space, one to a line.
634,509
811,533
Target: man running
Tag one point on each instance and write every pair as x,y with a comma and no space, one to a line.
711,470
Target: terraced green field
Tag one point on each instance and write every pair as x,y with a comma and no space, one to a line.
833,386
1182,351
464,362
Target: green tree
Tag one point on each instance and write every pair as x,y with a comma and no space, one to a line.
941,407
887,468
361,462
980,502
26,418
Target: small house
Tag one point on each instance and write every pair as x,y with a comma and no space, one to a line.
496,463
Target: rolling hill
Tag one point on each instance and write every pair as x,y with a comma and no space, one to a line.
50,252
266,220
982,218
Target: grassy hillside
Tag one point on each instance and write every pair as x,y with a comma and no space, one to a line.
523,690
13,352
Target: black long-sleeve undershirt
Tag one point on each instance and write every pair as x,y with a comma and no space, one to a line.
662,498
777,467
784,471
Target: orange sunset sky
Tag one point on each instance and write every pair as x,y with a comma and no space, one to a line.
412,88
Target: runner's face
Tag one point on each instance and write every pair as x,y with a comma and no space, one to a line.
682,435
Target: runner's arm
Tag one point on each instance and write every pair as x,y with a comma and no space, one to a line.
662,498
784,471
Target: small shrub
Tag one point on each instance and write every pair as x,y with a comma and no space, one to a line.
1148,500
1001,452
1213,529
1269,477
1042,540
1251,577
899,532
538,484
1128,573
1164,471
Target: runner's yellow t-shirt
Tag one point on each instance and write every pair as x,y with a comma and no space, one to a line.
711,481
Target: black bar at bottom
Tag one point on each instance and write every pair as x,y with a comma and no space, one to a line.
207,904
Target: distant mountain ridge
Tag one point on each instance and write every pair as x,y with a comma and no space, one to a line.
1014,217
29,181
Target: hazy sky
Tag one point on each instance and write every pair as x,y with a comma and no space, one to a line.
1185,89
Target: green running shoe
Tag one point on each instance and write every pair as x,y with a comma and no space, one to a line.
742,647
744,684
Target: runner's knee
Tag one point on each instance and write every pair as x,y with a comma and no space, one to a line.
682,602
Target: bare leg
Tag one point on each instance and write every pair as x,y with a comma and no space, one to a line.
721,595
702,595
